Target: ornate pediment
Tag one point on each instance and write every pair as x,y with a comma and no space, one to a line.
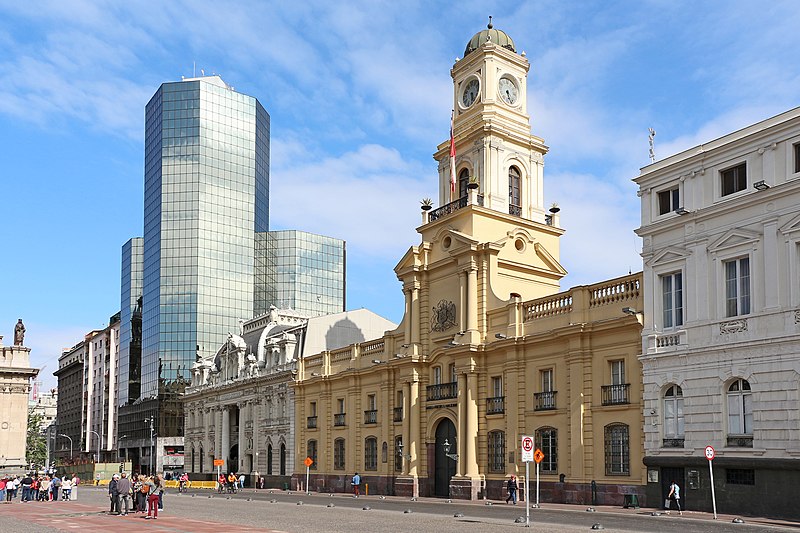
668,255
792,227
733,238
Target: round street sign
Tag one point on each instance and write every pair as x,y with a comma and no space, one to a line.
538,455
709,453
527,444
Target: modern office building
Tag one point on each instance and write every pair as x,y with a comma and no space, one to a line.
721,340
309,273
206,194
130,317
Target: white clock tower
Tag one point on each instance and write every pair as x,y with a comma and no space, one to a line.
493,140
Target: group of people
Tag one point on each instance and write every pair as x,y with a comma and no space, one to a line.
42,488
232,483
137,494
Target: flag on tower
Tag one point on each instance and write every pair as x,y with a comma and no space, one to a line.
452,158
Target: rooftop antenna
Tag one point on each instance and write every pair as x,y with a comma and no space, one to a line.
650,137
202,72
490,23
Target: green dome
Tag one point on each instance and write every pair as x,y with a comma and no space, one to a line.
498,37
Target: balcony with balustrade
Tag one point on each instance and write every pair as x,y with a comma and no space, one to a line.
616,394
397,414
339,419
544,401
496,405
371,416
311,422
442,391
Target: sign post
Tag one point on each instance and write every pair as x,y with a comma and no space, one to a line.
218,463
538,455
527,457
308,462
710,456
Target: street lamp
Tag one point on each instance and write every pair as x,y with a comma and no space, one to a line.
446,446
98,445
150,419
70,444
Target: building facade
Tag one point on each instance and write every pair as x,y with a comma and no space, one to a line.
721,248
70,410
100,374
489,349
309,273
15,386
240,406
206,194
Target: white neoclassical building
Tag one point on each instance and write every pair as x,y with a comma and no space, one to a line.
721,338
240,405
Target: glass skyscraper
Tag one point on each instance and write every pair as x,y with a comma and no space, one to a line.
206,194
130,328
309,273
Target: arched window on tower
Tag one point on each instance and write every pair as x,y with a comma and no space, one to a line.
514,203
463,181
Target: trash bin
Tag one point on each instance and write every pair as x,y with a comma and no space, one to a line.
285,486
631,500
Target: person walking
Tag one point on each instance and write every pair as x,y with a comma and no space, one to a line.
55,487
113,494
674,495
356,483
160,491
124,487
512,489
149,487
26,483
66,488
3,483
75,482
141,492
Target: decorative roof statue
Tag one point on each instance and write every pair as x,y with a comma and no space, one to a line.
19,333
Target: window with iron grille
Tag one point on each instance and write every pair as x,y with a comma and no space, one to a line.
617,442
371,453
547,440
312,452
740,476
398,454
497,451
338,454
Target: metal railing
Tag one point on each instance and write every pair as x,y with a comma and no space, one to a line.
339,419
544,401
371,416
398,414
311,422
442,391
496,405
616,394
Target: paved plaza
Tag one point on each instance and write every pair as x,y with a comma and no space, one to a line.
280,511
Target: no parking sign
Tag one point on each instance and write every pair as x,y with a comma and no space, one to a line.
527,449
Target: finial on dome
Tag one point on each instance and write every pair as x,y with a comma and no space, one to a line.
490,23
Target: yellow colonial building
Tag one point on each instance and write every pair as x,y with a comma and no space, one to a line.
488,349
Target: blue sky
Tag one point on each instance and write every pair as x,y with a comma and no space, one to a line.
359,95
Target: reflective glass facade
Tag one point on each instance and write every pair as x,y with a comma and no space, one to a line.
309,273
206,192
130,328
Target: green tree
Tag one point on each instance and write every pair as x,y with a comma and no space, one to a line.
36,446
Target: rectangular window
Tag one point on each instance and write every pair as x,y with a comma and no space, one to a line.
312,453
672,299
398,454
617,450
340,403
338,454
734,179
371,454
737,287
453,377
740,476
437,375
313,409
371,402
796,158
547,380
497,451
668,201
497,387
618,372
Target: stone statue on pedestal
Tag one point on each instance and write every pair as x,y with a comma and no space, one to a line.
19,333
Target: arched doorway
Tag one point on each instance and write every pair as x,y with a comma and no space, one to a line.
445,466
233,459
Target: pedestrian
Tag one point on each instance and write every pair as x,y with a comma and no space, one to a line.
55,487
261,482
97,481
44,489
149,488
356,484
113,494
674,495
75,482
3,484
140,491
26,483
66,488
124,489
160,491
512,489
241,481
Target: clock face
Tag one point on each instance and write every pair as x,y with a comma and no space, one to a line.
470,93
508,91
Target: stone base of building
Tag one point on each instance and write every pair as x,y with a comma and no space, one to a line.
464,488
407,486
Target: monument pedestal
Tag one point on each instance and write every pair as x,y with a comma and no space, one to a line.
15,375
